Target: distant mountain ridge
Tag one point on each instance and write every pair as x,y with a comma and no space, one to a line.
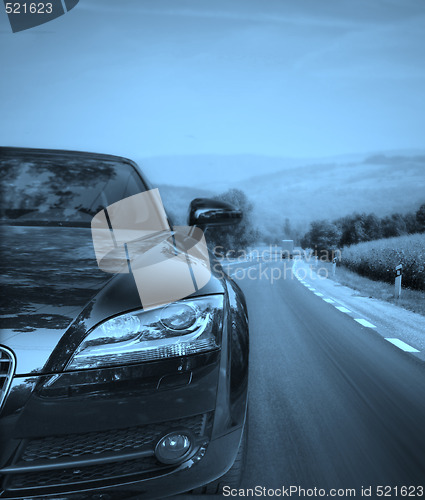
304,190
378,184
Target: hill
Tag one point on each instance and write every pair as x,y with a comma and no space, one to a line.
301,190
380,184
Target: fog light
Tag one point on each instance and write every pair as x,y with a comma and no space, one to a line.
173,448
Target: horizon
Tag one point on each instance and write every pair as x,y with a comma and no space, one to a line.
172,170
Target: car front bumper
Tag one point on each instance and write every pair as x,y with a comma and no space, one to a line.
219,456
91,432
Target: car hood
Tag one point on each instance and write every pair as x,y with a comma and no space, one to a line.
52,292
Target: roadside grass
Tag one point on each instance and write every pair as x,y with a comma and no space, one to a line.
413,300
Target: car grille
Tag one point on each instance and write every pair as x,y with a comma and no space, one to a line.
7,368
84,474
66,455
94,443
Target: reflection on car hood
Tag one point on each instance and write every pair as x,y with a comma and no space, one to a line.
48,273
48,277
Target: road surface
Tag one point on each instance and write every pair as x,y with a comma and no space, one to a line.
332,404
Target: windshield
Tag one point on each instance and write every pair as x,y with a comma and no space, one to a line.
66,189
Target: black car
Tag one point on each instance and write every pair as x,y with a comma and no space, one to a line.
76,422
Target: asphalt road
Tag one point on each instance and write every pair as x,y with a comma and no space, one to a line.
331,404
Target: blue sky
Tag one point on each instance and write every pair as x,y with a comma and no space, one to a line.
304,78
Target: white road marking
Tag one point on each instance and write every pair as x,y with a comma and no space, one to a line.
364,322
402,345
343,309
397,342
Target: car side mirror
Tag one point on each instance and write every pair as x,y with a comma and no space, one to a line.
207,212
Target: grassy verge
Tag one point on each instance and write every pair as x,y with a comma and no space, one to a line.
378,259
413,300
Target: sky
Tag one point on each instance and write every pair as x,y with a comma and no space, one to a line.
280,78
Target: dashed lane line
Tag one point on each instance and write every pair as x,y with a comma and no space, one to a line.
402,345
397,342
343,309
364,322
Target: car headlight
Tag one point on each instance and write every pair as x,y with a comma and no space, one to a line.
185,327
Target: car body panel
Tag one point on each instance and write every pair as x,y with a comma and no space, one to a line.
50,283
76,433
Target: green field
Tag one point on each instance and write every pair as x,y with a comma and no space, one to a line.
377,259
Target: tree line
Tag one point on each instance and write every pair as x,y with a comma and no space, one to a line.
328,236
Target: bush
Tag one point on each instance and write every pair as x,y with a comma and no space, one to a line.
323,237
377,259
